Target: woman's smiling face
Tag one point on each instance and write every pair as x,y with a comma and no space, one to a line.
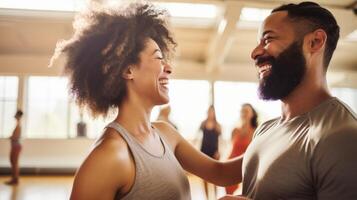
151,76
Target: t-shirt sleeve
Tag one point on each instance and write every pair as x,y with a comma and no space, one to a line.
334,165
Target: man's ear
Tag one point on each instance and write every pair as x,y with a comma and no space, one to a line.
128,73
316,40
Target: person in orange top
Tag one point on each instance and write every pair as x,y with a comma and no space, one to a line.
241,136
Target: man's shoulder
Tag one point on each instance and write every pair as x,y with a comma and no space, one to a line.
345,108
328,118
265,126
332,112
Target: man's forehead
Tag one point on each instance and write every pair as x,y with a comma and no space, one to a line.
275,22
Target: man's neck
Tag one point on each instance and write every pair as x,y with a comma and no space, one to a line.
304,98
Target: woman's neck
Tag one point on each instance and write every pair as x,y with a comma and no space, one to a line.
135,117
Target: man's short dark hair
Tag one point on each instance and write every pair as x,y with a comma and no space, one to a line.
315,17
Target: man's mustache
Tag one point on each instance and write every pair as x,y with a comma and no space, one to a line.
264,59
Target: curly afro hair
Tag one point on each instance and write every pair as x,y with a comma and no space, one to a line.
105,42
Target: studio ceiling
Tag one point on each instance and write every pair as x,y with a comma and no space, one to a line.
205,51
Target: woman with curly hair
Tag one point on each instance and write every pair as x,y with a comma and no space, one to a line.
118,58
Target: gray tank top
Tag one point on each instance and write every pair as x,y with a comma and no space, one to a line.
157,177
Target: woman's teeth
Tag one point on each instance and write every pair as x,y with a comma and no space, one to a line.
163,81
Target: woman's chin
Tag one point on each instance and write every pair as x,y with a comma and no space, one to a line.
164,99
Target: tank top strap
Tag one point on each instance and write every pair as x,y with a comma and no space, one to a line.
164,143
133,144
122,131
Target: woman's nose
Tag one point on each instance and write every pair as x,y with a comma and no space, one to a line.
167,68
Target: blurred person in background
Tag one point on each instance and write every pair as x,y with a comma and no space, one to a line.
211,131
164,115
242,135
15,151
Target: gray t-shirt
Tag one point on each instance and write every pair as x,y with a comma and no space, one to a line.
312,156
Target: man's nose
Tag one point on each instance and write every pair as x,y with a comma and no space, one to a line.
257,51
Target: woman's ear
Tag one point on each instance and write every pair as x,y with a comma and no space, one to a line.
128,73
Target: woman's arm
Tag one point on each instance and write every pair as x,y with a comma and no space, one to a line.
220,173
231,197
219,129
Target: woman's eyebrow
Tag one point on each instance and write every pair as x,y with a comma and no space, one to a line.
156,50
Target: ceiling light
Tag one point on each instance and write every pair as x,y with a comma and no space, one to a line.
190,10
252,17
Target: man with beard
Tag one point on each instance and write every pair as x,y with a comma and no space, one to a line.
310,151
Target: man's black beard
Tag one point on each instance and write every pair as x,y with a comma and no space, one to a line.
286,73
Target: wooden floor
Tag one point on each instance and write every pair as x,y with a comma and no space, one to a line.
59,188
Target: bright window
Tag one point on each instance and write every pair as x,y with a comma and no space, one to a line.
189,102
8,104
47,107
94,127
52,114
229,96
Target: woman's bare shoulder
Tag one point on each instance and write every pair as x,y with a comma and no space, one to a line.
110,139
110,148
109,166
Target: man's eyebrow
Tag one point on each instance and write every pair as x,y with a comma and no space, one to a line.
267,32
